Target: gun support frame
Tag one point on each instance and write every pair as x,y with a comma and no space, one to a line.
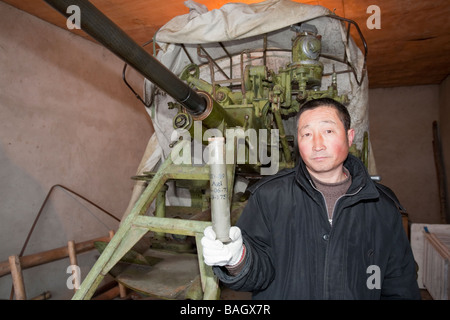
137,224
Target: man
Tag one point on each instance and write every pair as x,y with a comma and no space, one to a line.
322,230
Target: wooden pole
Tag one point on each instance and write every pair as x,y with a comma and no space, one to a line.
122,291
17,277
441,175
72,256
43,296
50,255
72,252
109,295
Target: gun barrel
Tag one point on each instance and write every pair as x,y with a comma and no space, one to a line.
105,31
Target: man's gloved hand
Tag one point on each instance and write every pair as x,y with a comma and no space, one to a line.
216,253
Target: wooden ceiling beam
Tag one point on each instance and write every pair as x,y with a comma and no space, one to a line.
412,46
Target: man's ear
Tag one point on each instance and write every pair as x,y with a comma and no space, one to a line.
350,136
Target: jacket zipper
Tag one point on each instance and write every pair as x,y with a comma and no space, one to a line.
334,206
335,203
325,274
323,197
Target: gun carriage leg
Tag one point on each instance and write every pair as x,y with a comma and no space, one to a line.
137,224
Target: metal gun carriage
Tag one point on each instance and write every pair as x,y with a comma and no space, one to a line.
224,117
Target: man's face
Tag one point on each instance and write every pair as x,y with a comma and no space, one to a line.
323,143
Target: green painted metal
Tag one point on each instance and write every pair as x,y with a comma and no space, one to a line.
160,210
210,283
171,225
137,224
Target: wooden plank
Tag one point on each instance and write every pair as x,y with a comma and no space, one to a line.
436,273
174,277
417,244
438,245
415,53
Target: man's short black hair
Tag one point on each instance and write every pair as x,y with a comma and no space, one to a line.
343,113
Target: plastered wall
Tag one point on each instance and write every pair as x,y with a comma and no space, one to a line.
66,118
402,139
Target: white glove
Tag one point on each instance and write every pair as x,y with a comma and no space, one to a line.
216,253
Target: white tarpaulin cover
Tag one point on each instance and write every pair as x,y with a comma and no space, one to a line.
237,27
235,21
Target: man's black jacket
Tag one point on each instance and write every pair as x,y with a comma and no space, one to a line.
294,253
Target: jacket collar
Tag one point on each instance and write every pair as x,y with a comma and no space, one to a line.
362,185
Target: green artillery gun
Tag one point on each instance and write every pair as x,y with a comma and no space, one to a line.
263,97
223,128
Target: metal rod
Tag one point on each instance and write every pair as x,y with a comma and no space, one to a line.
171,225
160,210
102,29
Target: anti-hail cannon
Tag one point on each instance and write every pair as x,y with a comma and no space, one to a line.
231,116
